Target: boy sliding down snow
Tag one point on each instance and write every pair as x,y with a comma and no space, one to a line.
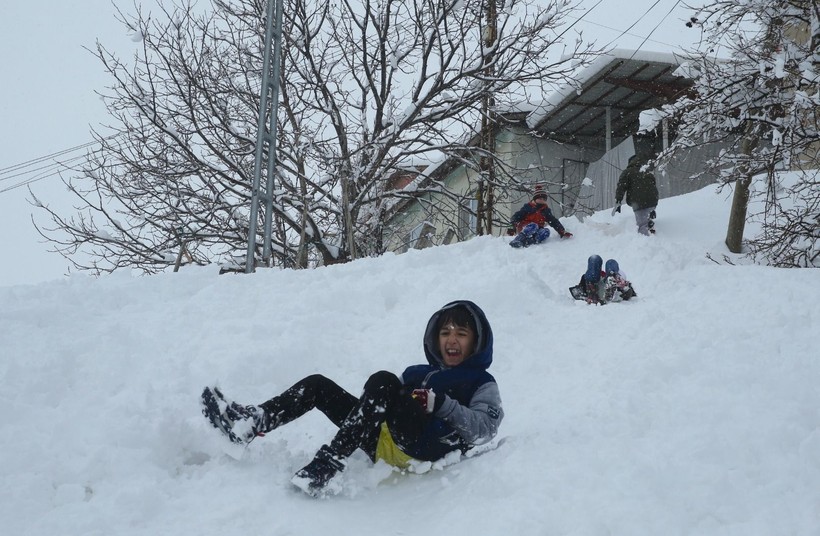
451,403
531,221
616,286
601,287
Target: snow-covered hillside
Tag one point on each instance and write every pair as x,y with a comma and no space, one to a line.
692,410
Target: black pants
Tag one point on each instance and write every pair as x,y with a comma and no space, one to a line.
359,419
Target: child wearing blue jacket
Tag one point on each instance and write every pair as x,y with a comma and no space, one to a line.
451,403
601,286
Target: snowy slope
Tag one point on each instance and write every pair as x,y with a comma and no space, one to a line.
691,410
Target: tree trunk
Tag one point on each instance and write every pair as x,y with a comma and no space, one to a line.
737,216
740,201
348,218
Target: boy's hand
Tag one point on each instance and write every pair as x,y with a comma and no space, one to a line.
426,398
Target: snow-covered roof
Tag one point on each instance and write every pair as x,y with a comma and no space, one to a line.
626,81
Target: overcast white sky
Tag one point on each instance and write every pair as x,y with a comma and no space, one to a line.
48,104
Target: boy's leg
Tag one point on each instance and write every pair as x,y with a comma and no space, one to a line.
383,395
594,265
526,237
529,230
241,424
541,235
611,267
642,220
406,420
383,399
315,391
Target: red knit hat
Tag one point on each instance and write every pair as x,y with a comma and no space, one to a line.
539,193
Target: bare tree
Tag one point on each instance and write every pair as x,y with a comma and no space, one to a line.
762,102
368,89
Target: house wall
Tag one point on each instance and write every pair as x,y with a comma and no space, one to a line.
439,215
598,191
559,167
800,32
673,177
537,161
530,160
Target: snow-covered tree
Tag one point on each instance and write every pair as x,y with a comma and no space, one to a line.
757,89
369,89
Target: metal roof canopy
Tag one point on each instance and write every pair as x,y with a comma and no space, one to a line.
627,86
628,82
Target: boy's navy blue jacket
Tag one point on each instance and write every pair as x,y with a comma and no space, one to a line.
471,409
536,213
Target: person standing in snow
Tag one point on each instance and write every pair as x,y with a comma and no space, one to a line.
599,286
449,404
641,191
530,221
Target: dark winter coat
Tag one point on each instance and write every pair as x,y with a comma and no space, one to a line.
471,409
538,214
639,186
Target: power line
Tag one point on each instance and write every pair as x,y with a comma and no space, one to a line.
47,172
639,19
46,157
29,170
34,172
656,26
626,31
579,19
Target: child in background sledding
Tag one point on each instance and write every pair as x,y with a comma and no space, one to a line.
451,403
531,219
590,283
601,287
617,287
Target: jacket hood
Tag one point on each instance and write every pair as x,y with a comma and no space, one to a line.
482,358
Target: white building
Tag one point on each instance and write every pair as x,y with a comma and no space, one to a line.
575,144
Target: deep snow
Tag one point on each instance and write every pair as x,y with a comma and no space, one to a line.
692,410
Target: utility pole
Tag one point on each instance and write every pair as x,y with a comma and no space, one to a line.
266,135
485,195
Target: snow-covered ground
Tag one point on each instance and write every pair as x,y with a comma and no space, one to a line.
692,410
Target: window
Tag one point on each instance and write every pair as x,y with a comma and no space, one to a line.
467,220
420,237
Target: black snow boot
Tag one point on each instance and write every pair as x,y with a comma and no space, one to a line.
241,424
315,477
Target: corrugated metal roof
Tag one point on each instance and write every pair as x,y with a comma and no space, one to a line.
627,86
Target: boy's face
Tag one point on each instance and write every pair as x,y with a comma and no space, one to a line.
456,343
